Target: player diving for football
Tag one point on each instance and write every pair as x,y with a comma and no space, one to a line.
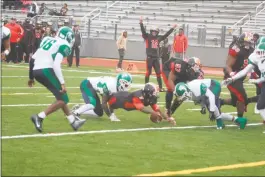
45,67
105,86
137,100
257,58
176,71
207,93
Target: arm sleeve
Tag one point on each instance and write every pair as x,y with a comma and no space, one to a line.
185,44
243,72
209,94
144,34
57,67
166,35
260,80
31,65
155,107
105,106
137,103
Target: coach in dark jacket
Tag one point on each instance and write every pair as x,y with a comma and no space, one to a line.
27,41
76,47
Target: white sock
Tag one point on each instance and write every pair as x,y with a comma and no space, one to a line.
42,115
90,113
262,113
71,118
227,117
83,108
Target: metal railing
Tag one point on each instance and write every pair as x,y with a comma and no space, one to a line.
109,6
86,17
257,10
241,22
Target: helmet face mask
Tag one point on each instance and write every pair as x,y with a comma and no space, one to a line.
124,81
67,34
150,94
182,92
260,51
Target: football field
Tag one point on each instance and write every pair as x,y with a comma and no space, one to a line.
134,146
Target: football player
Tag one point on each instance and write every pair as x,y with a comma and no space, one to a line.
45,67
137,100
176,71
257,58
207,92
152,41
5,42
105,86
255,74
236,61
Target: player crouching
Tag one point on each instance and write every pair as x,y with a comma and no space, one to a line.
207,92
137,100
105,86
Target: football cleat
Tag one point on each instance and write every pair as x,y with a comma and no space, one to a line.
256,111
78,123
37,121
242,122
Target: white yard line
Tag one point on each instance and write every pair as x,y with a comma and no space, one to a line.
112,131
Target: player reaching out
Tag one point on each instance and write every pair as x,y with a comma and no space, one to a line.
105,86
136,100
207,92
45,67
152,41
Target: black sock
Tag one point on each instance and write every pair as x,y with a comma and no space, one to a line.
169,97
175,106
253,99
146,79
159,81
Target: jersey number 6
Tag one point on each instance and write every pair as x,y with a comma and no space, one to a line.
47,44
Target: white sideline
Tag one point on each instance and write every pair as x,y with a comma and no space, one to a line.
112,131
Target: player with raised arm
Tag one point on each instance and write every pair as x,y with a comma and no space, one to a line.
105,86
5,42
207,92
256,59
152,41
45,67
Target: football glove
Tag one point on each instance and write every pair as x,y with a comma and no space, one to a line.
227,81
211,116
203,110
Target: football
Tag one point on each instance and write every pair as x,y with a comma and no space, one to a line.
155,118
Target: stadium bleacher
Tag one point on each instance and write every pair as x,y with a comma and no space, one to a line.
211,15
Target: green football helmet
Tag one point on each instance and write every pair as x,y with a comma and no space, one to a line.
261,40
124,81
67,34
182,91
260,50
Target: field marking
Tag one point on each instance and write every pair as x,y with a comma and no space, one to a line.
207,169
114,131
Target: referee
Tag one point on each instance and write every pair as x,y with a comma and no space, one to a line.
76,47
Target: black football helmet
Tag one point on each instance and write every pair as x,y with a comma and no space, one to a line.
150,94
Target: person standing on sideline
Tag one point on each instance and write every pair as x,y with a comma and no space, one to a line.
121,44
17,33
180,44
76,47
